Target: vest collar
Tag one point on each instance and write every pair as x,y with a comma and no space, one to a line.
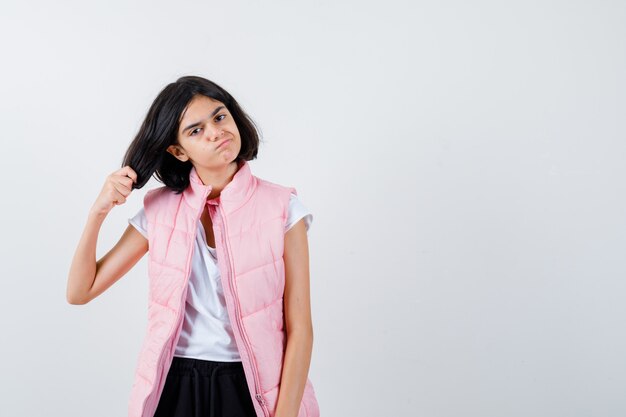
236,192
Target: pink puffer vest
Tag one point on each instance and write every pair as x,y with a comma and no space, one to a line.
249,220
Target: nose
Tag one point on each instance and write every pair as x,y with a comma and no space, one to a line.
217,134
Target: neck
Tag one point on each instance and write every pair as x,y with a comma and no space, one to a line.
218,178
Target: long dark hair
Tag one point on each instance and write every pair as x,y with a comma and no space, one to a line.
147,153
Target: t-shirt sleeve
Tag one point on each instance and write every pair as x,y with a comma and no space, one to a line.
297,211
139,222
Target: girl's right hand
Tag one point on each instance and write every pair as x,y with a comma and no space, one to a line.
116,189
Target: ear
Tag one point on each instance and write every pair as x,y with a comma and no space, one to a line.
177,152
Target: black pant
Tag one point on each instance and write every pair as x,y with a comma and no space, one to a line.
201,388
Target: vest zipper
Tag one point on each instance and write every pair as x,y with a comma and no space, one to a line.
160,383
231,282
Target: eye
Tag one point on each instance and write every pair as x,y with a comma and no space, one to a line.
193,131
220,116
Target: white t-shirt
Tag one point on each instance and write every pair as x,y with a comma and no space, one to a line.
207,332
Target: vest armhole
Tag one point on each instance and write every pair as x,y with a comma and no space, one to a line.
287,204
150,205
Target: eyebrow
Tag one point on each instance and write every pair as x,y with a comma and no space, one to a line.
198,123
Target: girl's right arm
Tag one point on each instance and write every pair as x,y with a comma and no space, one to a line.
89,278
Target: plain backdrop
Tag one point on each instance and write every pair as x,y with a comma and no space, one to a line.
464,163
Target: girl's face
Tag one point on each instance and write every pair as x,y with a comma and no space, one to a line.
207,134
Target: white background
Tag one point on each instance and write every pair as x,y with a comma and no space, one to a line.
464,163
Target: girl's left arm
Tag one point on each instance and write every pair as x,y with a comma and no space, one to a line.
299,327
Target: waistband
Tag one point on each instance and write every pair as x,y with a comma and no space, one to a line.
182,365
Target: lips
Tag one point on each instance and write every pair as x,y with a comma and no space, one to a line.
221,143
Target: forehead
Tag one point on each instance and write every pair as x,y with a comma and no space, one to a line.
199,107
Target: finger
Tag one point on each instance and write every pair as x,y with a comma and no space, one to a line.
129,172
126,172
121,187
118,198
125,181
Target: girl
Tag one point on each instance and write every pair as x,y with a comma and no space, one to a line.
229,321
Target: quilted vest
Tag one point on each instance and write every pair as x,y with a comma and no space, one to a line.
249,217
